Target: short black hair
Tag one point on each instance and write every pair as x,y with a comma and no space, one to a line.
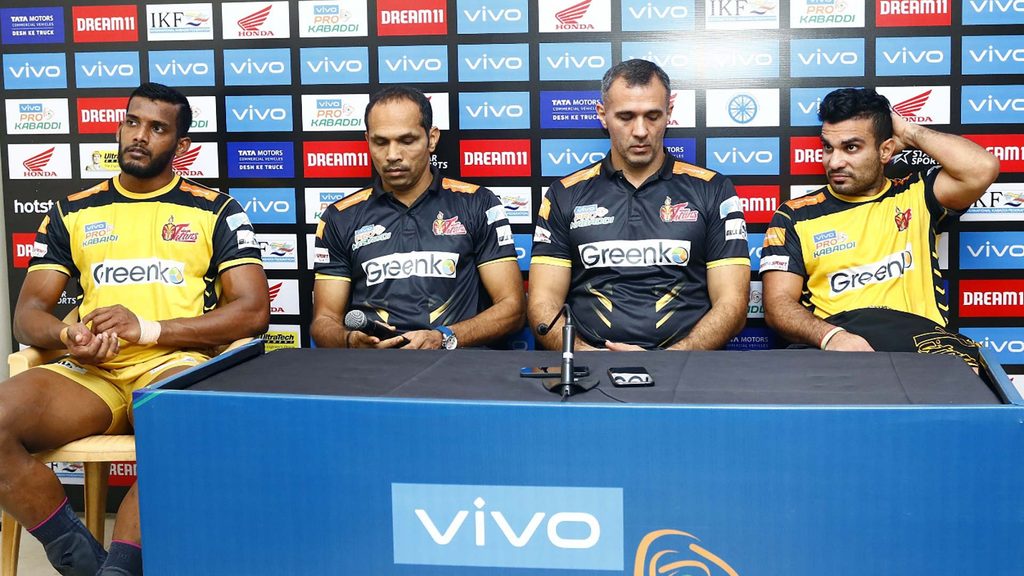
846,103
396,93
635,72
161,93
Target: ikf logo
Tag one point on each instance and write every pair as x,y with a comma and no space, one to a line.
200,161
1007,343
729,15
493,16
561,157
182,67
325,19
508,526
743,156
106,23
318,199
494,62
993,55
912,13
408,64
1008,148
517,201
254,20
755,243
912,56
174,22
39,161
1003,201
32,25
324,112
267,205
334,65
991,298
574,60
919,104
657,15
993,104
258,113
524,250
107,69
684,149
336,159
500,158
993,11
804,104
494,110
743,108
101,115
987,250
823,58
805,155
678,59
261,160
37,116
759,203
35,71
575,16
403,18
270,67
569,109
23,243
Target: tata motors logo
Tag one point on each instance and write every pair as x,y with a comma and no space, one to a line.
37,116
331,18
826,14
919,104
993,12
635,253
261,160
823,58
258,113
1002,104
574,60
255,20
32,25
747,156
39,161
200,161
34,71
494,110
993,54
684,149
912,13
182,67
1008,148
336,159
1003,201
988,250
404,18
742,14
179,22
499,158
564,109
267,205
540,527
405,64
404,265
493,16
106,23
329,112
334,65
494,62
657,15
909,56
889,268
561,157
575,16
107,69
139,271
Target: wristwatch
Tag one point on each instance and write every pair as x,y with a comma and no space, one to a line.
448,339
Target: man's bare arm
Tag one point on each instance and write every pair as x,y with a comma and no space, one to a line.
786,315
549,286
729,291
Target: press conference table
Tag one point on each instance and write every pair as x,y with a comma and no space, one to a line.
429,462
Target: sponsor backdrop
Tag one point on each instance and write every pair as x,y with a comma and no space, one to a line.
278,90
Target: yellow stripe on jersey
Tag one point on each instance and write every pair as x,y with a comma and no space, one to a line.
441,310
691,170
729,262
146,195
459,186
56,267
669,296
585,174
322,276
551,261
232,263
505,259
604,300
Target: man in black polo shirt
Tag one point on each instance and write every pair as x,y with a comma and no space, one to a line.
413,250
649,252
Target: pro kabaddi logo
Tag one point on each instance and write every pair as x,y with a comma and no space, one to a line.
671,551
911,106
449,227
569,18
251,24
172,232
677,212
34,165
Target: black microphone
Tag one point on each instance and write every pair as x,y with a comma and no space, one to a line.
357,320
568,383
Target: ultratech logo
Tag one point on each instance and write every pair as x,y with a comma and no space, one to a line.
403,18
411,265
495,157
336,159
759,202
101,115
37,116
635,253
988,298
912,13
139,271
179,22
106,23
891,267
806,155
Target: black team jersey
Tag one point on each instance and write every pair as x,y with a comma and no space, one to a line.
159,254
639,256
415,267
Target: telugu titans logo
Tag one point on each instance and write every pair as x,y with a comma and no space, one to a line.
677,212
902,219
669,551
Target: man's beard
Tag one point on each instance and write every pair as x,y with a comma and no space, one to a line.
157,164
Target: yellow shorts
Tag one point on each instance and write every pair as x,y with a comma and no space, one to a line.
115,387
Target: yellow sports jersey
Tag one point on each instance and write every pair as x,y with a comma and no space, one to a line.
158,254
861,252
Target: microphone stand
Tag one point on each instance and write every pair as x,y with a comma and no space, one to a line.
568,384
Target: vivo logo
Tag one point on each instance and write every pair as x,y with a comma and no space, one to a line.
990,250
527,532
906,56
574,61
652,12
257,206
174,68
99,69
485,110
809,107
252,113
29,71
667,60
993,54
736,156
820,57
249,66
484,14
1012,346
485,62
751,156
563,156
996,6
575,158
742,59
992,104
567,61
326,64
325,9
406,64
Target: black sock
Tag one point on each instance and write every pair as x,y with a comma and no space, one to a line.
125,559
69,545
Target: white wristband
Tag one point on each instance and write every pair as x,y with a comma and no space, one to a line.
829,335
149,331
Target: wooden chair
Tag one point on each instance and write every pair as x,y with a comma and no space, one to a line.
95,452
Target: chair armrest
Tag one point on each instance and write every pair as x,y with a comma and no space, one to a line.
21,361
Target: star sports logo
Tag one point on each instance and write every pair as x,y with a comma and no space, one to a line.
569,18
909,108
36,163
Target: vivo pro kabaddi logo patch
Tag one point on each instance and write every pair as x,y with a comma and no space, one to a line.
671,551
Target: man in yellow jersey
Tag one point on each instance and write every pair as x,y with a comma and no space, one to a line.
430,256
854,265
168,270
648,251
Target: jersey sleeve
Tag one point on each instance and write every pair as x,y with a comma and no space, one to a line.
726,228
234,239
332,256
493,234
942,217
781,250
551,234
52,247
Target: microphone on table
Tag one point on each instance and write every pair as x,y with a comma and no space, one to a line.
569,383
357,320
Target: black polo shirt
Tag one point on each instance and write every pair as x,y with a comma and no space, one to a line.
639,256
414,267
